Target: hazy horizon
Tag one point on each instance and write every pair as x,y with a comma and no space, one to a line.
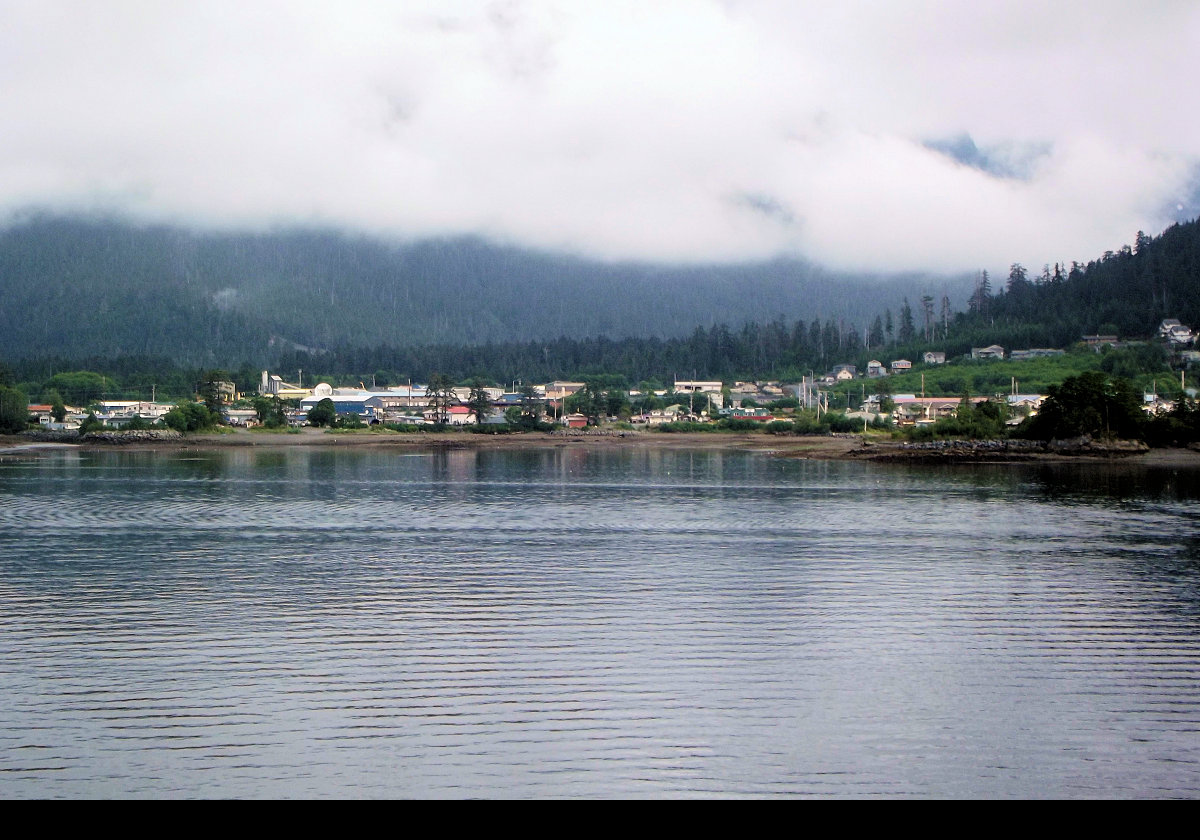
865,136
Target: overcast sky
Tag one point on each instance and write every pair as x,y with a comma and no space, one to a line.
888,135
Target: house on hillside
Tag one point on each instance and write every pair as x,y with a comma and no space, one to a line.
912,409
1175,333
1168,324
901,366
934,357
994,351
1095,342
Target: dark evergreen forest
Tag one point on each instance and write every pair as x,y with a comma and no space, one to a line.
168,302
1126,292
74,288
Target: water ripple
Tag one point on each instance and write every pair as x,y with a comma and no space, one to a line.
591,624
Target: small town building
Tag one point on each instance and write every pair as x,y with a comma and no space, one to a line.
370,406
1176,333
407,396
241,416
1154,405
912,409
463,395
402,419
1034,353
41,413
272,385
670,414
512,399
1023,405
934,357
994,351
759,392
118,412
697,386
559,390
1167,325
1095,342
758,415
460,415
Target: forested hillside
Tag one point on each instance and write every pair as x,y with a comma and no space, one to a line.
76,288
1126,292
73,290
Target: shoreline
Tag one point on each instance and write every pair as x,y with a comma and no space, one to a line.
830,448
851,447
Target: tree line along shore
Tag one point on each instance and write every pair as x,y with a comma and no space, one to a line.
1097,403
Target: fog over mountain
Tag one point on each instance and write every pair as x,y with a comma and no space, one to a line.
859,135
73,287
275,173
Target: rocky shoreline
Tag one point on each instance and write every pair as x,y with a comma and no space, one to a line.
1013,449
117,438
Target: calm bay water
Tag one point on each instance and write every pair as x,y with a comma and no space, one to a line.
577,622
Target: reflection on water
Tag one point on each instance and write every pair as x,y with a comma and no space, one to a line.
571,622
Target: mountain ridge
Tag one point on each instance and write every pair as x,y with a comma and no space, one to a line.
73,287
